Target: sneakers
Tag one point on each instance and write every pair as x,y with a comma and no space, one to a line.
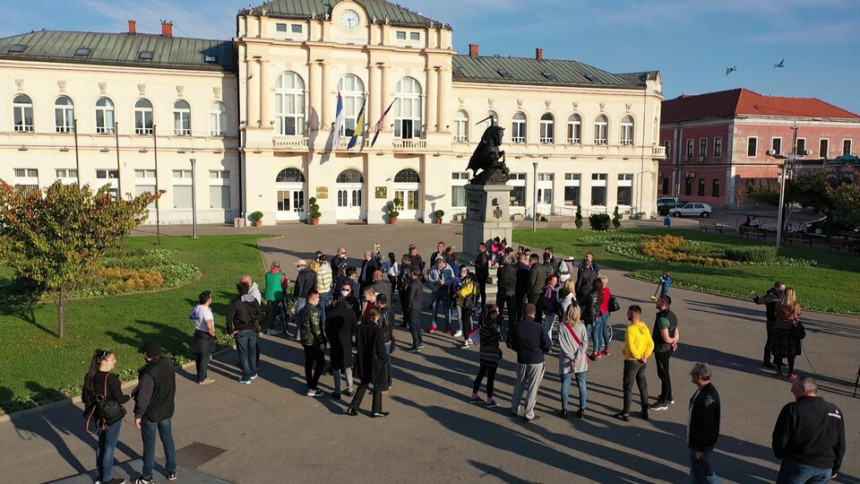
379,414
207,381
530,420
348,392
314,393
171,476
144,480
793,376
465,344
254,376
598,355
414,349
491,403
350,412
420,346
244,382
659,406
432,329
622,416
458,334
607,353
474,398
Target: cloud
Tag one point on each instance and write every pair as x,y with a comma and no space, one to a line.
821,34
214,19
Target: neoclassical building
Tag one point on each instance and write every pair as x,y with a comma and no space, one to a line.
575,135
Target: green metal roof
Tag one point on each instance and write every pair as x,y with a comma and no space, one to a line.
121,49
528,71
379,11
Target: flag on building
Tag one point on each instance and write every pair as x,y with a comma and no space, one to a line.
379,124
359,126
339,120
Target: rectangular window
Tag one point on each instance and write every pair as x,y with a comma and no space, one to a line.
690,149
703,148
109,175
776,146
752,146
461,126
281,27
718,147
574,131
665,186
701,187
296,29
801,147
846,147
688,186
519,131
414,36
181,196
144,174
715,188
67,173
182,174
458,196
518,194
824,148
401,35
27,178
598,189
219,197
624,192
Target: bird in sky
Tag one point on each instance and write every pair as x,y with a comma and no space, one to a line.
729,70
779,65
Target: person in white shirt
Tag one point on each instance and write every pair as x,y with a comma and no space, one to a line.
204,336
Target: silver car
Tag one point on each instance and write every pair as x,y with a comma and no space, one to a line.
693,209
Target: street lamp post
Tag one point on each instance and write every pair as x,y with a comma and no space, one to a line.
534,199
193,198
787,164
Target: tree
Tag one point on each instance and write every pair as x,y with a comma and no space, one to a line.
846,202
57,237
578,219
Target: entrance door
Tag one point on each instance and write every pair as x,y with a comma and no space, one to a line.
290,195
350,186
544,193
407,189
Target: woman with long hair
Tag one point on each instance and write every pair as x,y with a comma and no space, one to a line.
490,352
601,320
100,383
572,343
786,340
567,295
591,310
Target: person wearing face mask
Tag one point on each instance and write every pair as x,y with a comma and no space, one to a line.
338,263
100,381
340,327
350,300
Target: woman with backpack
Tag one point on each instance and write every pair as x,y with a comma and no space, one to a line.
549,303
103,404
601,320
490,353
572,343
466,301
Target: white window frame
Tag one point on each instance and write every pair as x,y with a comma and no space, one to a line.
181,178
574,129
105,116
461,126
22,114
217,119
181,118
400,35
64,115
459,180
703,147
850,143
519,181
290,104
220,179
625,180
755,154
800,141
108,174
601,130
572,180
599,180
825,153
627,126
718,147
772,141
67,176
547,129
143,117
281,27
518,127
26,177
690,150
351,88
408,109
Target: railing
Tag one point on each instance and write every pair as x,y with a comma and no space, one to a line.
290,142
362,142
410,144
658,151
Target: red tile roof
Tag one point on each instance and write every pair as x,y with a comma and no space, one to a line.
728,104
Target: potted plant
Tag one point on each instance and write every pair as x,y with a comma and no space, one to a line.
314,213
616,219
578,220
439,214
257,218
392,211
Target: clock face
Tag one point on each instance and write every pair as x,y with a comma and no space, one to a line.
350,19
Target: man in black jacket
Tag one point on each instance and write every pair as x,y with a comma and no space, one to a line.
368,267
153,409
482,271
537,281
506,287
306,281
704,425
531,343
771,298
416,305
809,437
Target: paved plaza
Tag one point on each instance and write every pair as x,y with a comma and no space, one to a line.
271,432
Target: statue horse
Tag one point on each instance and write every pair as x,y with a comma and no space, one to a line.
489,159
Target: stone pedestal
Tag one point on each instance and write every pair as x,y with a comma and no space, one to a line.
488,216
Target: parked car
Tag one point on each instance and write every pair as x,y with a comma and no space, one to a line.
819,227
695,209
668,206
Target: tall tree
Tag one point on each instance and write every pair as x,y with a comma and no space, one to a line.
57,236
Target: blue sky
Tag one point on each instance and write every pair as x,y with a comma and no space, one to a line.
690,41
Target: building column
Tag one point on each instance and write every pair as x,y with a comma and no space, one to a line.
374,93
265,95
432,124
444,116
386,93
315,92
253,94
327,114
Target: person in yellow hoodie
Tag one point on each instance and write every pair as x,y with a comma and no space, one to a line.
638,346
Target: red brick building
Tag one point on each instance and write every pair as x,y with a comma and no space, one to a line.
719,140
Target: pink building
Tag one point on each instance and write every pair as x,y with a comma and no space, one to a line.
719,140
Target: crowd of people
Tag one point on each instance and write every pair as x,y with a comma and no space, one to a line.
543,305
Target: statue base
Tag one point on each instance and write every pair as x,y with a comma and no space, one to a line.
488,216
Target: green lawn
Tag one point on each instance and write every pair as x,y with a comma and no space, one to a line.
829,287
37,367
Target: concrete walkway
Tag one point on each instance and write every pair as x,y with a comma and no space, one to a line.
269,431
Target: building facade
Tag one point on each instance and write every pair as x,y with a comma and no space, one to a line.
575,135
721,142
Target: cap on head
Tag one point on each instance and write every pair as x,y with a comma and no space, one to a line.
152,349
301,263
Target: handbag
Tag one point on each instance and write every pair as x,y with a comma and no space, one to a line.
110,411
613,304
798,330
575,337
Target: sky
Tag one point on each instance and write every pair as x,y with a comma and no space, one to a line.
691,42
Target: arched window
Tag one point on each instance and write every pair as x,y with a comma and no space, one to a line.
407,175
181,118
627,130
143,117
64,115
351,88
22,113
217,119
290,104
547,129
574,129
518,133
407,109
461,126
601,128
350,176
290,175
104,116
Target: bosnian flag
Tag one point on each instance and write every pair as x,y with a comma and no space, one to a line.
359,127
380,123
339,121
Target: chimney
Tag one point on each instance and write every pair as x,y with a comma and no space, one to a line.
539,53
132,27
474,50
166,28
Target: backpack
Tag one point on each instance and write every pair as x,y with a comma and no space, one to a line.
549,299
109,410
405,275
468,294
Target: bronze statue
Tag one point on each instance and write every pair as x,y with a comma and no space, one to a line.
488,158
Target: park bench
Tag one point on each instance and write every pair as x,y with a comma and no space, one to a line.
752,232
844,242
799,237
716,227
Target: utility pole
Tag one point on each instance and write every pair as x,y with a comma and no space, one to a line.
157,204
77,155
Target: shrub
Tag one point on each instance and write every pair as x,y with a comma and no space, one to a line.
599,221
756,254
392,208
256,216
616,219
578,220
